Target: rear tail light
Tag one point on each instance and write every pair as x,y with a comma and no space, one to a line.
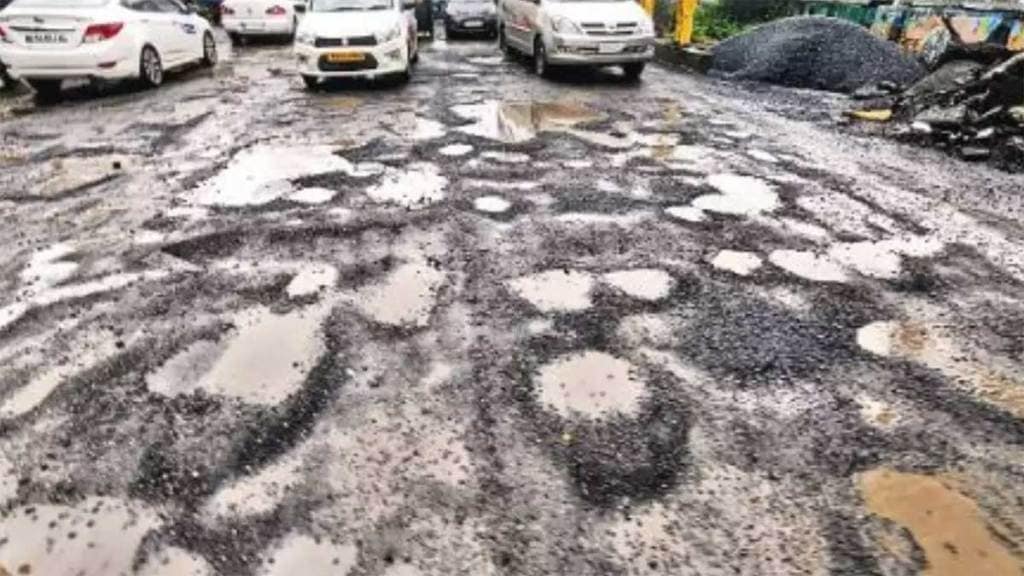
276,11
227,10
101,32
3,35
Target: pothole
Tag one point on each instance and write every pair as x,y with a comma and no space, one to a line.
643,283
406,297
512,122
418,184
301,554
810,266
491,204
739,195
592,384
555,290
739,263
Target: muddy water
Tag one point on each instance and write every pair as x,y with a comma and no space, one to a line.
643,283
513,122
591,384
555,290
302,554
945,523
96,537
934,346
406,296
264,359
739,263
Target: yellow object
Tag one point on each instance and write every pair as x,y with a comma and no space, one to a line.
648,6
684,21
872,115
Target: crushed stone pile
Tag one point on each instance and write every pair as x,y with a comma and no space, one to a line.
814,52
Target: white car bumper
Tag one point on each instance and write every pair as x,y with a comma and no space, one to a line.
269,26
600,51
372,61
103,60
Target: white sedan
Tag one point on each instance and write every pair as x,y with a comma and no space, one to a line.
345,38
47,41
258,18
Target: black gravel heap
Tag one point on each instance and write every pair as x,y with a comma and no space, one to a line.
814,52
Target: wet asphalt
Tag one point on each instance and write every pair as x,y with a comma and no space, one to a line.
486,323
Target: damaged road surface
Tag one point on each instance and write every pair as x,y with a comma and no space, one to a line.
488,324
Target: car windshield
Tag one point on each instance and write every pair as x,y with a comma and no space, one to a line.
350,5
60,3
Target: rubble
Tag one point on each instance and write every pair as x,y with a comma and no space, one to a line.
974,111
814,52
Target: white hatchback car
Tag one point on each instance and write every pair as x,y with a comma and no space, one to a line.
258,18
577,33
47,41
363,38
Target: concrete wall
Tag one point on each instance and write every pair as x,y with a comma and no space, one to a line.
918,25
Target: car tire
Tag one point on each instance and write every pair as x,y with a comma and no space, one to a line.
448,33
540,59
311,82
151,70
209,51
633,70
46,90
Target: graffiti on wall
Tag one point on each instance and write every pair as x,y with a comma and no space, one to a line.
921,30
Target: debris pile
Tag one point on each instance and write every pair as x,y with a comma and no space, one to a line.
972,110
814,52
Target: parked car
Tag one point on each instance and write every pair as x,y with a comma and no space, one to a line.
425,17
363,38
6,82
577,33
47,41
471,17
241,18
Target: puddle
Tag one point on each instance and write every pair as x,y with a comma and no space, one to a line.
312,280
518,122
740,195
406,297
740,263
347,103
455,150
263,360
644,283
883,259
173,561
257,494
808,265
555,290
62,175
301,554
507,157
591,383
312,196
933,346
76,357
487,60
876,412
261,174
578,164
492,204
427,129
946,524
419,184
685,213
47,268
762,156
520,186
96,537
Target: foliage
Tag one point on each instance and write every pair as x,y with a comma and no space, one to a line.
713,22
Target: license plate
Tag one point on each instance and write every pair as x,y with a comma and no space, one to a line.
47,38
336,57
611,48
473,23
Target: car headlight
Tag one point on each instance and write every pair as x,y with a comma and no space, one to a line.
563,25
304,38
646,27
393,33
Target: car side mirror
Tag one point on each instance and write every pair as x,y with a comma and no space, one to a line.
300,8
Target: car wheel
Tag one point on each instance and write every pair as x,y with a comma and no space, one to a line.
311,82
209,51
46,90
634,70
151,71
540,59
